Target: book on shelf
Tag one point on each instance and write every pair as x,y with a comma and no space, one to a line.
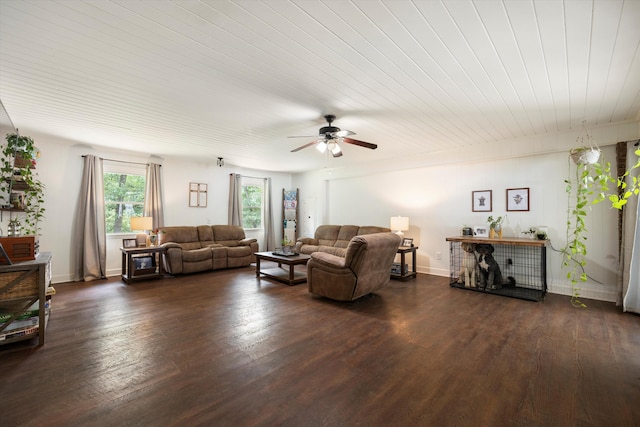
19,324
7,312
23,331
19,333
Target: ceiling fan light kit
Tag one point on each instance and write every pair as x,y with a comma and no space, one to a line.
330,137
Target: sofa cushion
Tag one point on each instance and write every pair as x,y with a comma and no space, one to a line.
228,235
196,255
333,250
346,233
185,236
205,235
372,229
309,249
238,251
327,234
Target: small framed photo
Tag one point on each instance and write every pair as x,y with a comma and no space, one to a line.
481,201
407,242
480,231
517,199
129,243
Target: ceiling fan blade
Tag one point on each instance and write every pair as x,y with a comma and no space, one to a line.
303,136
344,132
304,146
360,143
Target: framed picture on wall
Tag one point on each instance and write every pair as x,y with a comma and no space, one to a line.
517,199
481,201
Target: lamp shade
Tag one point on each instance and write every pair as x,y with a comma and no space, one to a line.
142,223
399,223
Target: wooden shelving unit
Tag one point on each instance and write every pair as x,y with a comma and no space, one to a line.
21,286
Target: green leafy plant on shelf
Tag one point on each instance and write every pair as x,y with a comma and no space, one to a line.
22,148
593,184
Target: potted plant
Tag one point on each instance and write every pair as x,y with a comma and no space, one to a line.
21,176
585,155
590,186
495,227
530,232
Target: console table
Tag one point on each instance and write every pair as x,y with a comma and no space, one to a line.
525,260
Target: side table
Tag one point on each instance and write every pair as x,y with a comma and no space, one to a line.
142,263
403,250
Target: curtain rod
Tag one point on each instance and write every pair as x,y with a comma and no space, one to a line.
248,176
121,161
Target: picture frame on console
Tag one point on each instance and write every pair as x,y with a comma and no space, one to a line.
407,242
480,231
481,201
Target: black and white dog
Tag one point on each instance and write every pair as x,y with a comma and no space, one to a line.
490,274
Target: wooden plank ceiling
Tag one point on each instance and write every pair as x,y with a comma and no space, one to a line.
233,79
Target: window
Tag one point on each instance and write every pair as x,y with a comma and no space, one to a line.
252,202
123,198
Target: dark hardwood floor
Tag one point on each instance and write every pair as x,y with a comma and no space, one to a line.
227,349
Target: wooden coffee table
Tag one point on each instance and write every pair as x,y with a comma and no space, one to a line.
290,277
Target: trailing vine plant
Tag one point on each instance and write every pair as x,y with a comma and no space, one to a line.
32,187
592,185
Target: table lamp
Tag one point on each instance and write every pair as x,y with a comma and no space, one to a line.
399,224
142,223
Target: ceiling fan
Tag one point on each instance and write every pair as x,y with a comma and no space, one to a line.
330,138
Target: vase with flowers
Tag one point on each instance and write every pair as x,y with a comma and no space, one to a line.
495,227
153,236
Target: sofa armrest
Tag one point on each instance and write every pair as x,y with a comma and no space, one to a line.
169,245
328,259
247,242
307,241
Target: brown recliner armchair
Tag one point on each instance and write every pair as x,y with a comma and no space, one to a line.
365,268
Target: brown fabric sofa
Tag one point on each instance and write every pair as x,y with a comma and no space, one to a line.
192,249
365,268
334,239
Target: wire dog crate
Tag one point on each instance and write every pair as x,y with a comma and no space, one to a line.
522,265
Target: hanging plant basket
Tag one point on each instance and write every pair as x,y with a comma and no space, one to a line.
585,155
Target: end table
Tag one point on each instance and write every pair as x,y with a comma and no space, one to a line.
142,263
403,250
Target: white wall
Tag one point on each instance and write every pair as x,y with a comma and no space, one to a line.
436,196
433,190
60,169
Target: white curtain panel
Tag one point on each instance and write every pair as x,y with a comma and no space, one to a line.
269,236
632,296
90,234
235,199
631,251
153,201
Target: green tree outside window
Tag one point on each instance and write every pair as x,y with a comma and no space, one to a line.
124,198
252,206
